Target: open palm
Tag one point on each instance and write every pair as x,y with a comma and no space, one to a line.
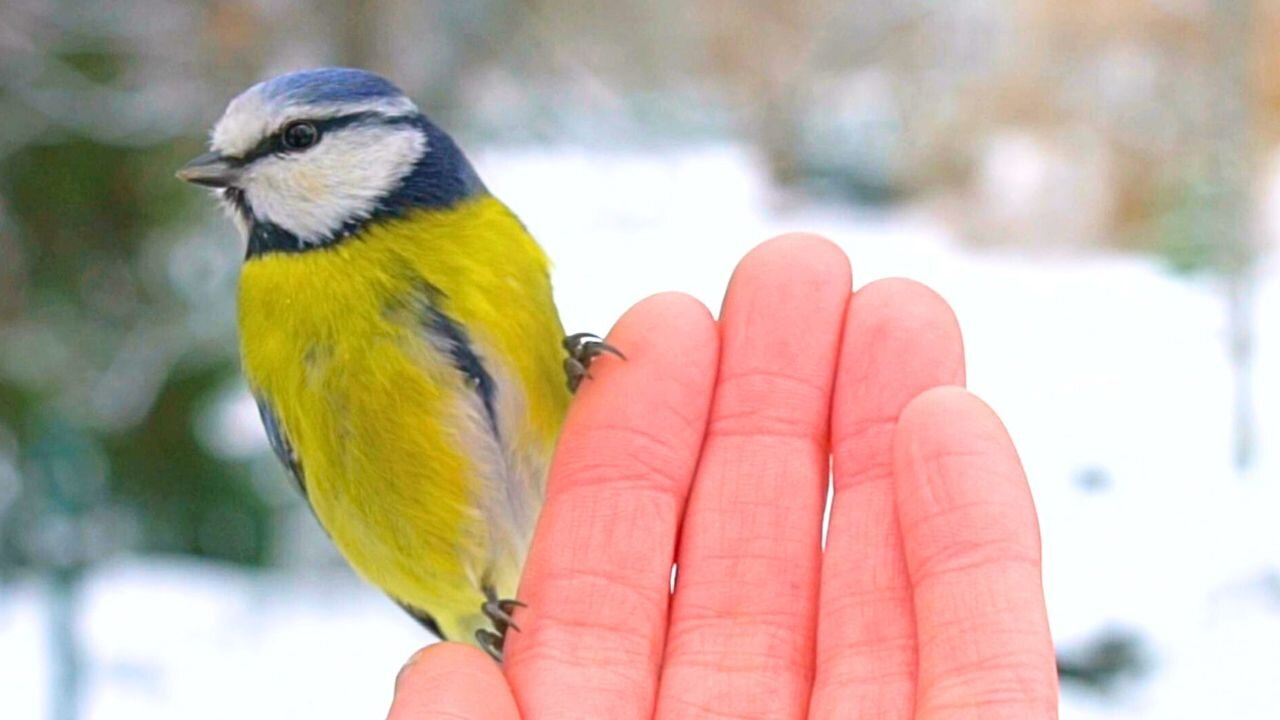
710,448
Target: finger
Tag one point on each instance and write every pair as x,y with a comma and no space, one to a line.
450,681
740,642
598,578
973,553
900,339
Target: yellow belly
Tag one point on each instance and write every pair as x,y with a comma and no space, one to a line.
420,491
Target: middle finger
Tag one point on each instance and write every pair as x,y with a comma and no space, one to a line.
740,641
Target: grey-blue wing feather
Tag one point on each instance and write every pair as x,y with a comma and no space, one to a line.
462,354
424,618
280,444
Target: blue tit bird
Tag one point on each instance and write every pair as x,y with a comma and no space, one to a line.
398,332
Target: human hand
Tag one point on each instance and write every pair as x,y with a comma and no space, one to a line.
709,447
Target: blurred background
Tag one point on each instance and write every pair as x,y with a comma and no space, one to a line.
1093,184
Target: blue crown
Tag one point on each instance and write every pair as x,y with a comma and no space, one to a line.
328,85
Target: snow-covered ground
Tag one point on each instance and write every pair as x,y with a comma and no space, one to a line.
1111,374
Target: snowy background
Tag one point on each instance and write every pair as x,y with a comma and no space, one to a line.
1085,181
1110,372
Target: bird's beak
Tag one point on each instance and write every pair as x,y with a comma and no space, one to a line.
211,170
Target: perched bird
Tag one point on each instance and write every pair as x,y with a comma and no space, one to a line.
398,331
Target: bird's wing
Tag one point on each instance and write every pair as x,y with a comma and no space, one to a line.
280,444
422,617
452,338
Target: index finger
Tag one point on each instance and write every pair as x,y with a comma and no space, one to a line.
598,578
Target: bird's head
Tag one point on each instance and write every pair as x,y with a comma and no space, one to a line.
308,158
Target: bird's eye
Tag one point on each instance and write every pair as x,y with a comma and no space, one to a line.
299,135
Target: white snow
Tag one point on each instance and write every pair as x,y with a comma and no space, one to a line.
168,638
1102,366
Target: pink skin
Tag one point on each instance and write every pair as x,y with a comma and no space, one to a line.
709,447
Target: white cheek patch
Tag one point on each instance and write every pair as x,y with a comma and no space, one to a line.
315,192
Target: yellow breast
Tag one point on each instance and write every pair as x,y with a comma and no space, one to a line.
420,491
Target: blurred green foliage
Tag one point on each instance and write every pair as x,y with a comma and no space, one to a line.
1186,216
116,335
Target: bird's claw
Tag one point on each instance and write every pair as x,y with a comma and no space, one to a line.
499,613
491,642
582,349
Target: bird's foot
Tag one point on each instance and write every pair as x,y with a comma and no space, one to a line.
582,349
499,613
491,642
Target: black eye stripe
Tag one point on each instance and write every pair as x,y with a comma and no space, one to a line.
273,144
